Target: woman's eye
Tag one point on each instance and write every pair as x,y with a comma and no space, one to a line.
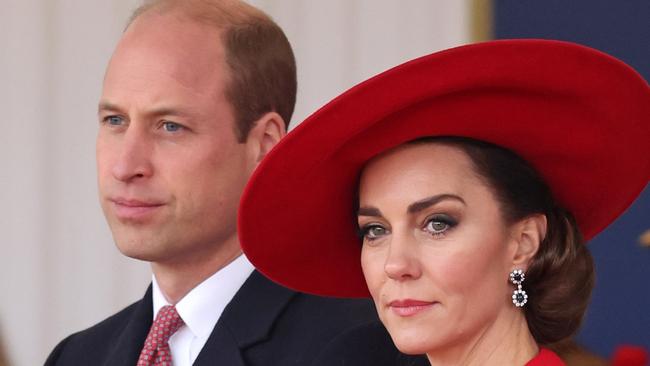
373,232
172,126
436,227
439,224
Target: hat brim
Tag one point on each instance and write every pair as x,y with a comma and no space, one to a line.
579,116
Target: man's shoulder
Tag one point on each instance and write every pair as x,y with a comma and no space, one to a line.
365,344
325,317
94,343
349,312
263,301
109,326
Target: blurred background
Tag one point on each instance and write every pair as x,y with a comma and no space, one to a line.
59,270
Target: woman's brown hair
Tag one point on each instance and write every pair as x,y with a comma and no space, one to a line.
560,276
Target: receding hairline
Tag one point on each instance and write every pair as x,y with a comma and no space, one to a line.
222,14
260,63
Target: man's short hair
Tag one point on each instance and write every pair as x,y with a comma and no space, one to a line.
259,57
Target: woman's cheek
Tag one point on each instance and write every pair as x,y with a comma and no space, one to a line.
372,265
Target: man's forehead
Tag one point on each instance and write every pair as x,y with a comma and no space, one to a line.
161,48
170,33
135,83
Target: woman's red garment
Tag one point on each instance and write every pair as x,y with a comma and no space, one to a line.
546,357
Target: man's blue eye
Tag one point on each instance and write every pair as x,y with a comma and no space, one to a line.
171,126
114,120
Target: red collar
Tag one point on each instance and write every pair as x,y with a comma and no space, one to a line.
546,357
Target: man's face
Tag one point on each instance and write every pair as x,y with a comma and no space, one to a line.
170,169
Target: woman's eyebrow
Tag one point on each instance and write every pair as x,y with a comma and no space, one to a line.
430,201
415,206
368,211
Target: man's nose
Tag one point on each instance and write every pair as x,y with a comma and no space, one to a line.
134,158
402,262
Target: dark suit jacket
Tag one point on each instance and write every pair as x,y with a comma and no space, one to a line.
264,324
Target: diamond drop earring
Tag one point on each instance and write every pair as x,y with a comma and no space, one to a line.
519,296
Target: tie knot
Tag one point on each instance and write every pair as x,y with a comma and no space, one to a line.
156,349
166,324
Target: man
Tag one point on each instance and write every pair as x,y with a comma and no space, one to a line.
195,95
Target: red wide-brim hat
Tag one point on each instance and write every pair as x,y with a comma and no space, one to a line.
579,116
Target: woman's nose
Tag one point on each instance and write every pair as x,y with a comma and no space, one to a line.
402,262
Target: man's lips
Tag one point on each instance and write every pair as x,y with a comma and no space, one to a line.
409,307
133,209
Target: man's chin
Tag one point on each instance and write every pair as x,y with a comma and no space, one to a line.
138,255
143,249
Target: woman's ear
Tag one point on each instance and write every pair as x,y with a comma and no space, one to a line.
527,235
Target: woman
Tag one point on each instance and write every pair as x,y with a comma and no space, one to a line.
462,185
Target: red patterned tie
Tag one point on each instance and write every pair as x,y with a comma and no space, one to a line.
156,349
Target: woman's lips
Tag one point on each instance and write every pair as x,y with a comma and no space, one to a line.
129,209
410,307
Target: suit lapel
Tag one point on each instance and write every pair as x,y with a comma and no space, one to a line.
131,339
220,349
248,319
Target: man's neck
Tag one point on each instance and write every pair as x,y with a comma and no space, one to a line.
176,279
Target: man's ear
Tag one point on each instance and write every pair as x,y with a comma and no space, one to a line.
527,236
268,130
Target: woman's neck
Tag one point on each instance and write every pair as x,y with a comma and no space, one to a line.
506,341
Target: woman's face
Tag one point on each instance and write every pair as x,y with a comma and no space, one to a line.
436,252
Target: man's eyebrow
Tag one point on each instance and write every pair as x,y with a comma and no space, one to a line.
368,211
155,112
107,106
167,111
430,201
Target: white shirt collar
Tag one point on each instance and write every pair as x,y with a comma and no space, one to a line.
201,308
